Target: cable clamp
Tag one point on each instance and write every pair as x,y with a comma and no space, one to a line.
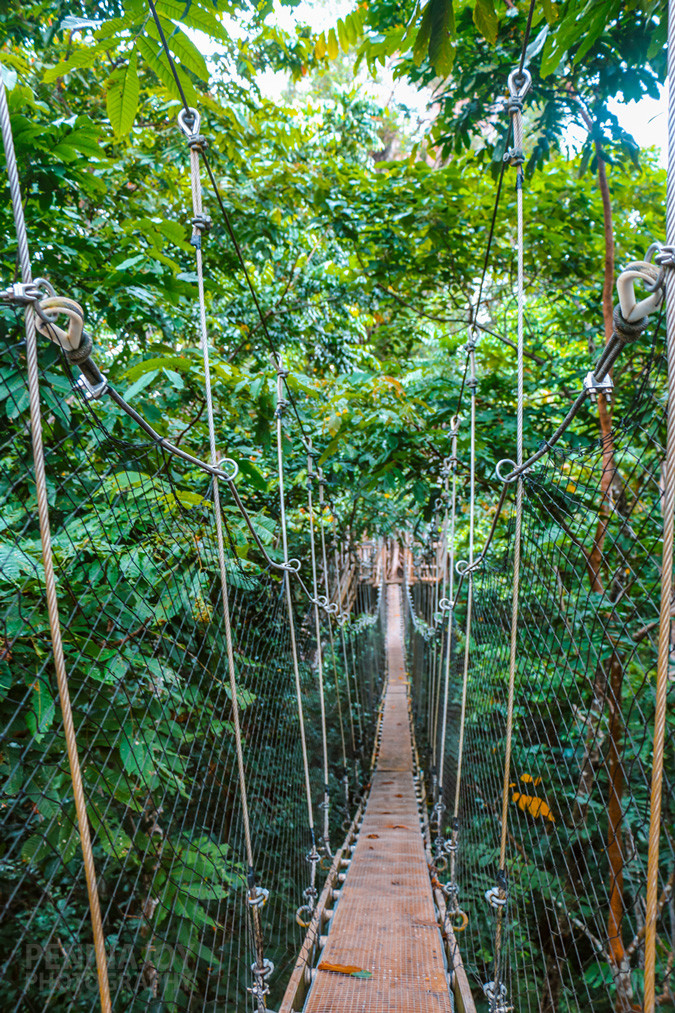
595,387
200,223
496,997
470,346
282,405
472,385
91,391
261,897
514,156
310,894
496,897
21,293
514,105
263,971
665,256
312,856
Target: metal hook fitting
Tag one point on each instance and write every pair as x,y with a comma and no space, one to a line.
189,128
53,306
509,478
519,83
234,468
652,277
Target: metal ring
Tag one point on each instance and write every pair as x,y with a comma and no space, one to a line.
464,920
332,609
261,897
321,601
193,128
654,286
303,916
325,863
445,605
519,83
441,863
233,465
461,566
46,285
293,565
507,480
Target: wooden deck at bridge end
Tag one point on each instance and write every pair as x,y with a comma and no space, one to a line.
385,921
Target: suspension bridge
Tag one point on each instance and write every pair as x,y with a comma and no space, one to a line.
377,776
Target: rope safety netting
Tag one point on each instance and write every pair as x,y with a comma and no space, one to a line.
571,894
137,574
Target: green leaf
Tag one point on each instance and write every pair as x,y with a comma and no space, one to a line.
136,753
193,16
144,381
122,96
42,710
486,20
333,48
185,50
155,57
436,35
81,58
342,36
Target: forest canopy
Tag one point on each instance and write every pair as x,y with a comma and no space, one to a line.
360,222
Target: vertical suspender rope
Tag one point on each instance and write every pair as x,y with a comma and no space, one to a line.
342,619
453,889
665,620
257,896
325,805
47,560
440,598
304,913
343,639
345,773
519,84
450,605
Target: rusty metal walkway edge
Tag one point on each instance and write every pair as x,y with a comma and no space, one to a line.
379,914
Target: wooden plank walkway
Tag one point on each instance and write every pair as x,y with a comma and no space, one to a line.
385,921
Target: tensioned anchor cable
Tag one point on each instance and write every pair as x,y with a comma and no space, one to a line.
668,508
319,653
519,84
454,910
345,772
223,210
47,559
304,913
257,896
453,888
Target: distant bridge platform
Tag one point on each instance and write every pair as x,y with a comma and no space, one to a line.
386,949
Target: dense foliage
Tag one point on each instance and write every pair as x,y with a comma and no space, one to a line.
366,271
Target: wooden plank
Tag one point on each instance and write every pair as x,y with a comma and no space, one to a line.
385,920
